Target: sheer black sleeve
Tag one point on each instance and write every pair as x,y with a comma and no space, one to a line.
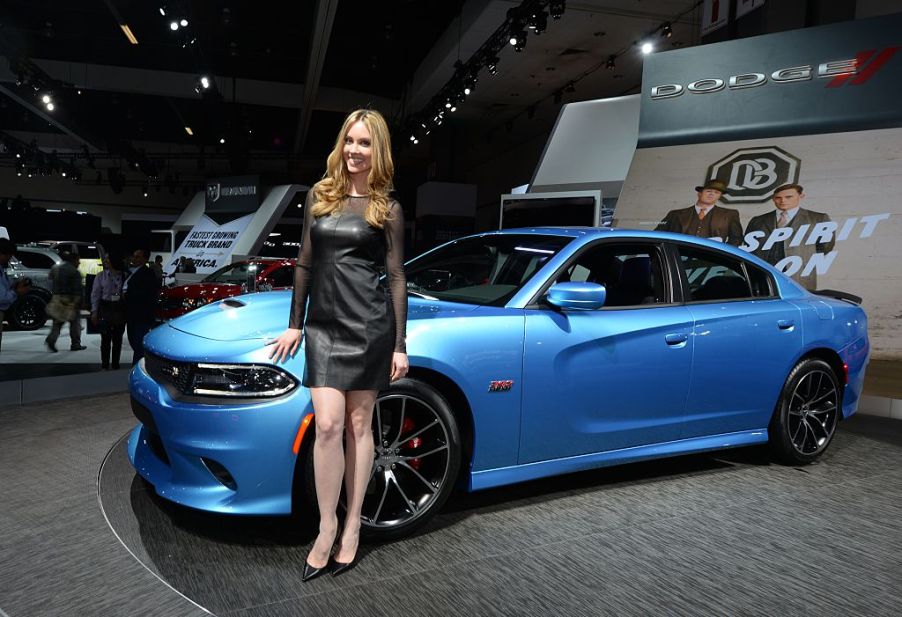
394,267
302,270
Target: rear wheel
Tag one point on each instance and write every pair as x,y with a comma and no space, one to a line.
806,416
416,460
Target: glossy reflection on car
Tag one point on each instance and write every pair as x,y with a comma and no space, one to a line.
533,352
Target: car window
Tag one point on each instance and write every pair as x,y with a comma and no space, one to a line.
762,283
632,273
282,277
486,270
87,251
234,274
35,260
713,276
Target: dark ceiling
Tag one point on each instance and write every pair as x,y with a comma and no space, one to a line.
374,48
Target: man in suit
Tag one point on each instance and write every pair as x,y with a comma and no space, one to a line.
140,290
788,213
706,219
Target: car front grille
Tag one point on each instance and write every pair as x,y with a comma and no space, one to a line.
178,375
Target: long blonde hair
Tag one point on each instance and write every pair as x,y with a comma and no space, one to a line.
330,192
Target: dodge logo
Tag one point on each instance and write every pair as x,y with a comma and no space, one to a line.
752,174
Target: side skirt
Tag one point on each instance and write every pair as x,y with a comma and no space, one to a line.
530,471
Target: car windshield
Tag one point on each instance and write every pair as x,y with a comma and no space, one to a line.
485,270
234,274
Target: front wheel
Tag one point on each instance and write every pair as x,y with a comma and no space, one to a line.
415,462
28,313
806,416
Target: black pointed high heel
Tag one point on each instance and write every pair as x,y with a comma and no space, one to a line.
311,573
336,567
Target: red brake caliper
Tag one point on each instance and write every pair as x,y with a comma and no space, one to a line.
411,444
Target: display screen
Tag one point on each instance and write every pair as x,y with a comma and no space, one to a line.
551,211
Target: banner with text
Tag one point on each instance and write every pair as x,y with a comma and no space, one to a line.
209,245
845,222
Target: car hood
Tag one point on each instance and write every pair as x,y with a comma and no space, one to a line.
265,316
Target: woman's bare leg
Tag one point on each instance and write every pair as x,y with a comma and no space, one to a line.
359,451
328,463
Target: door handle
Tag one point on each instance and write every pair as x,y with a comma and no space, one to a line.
786,324
676,340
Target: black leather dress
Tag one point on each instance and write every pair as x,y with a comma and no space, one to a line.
354,322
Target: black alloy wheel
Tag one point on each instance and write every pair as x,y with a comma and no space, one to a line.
28,313
416,460
806,416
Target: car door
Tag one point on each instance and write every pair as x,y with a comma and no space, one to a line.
611,378
746,339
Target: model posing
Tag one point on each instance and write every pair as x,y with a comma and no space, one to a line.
355,325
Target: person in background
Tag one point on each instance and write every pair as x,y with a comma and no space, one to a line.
9,291
140,291
189,267
65,305
788,213
157,266
108,310
706,219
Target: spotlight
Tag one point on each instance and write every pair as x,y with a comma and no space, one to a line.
610,64
222,140
63,173
205,81
647,48
145,190
183,23
448,104
45,99
163,11
173,25
50,107
453,108
518,40
666,31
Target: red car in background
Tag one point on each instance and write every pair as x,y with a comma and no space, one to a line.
258,274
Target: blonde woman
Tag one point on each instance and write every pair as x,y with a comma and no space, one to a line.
355,325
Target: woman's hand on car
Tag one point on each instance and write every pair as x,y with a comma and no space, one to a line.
285,345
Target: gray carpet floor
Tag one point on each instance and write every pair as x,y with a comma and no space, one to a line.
726,534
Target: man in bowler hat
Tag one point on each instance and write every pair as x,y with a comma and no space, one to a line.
706,219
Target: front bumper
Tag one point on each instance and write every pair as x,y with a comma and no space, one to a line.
230,458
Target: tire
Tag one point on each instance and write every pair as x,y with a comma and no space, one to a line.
809,408
28,313
410,418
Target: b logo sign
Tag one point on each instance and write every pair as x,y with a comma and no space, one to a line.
751,174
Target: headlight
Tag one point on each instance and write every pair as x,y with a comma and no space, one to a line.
241,380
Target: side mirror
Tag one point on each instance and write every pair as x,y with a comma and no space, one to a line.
576,296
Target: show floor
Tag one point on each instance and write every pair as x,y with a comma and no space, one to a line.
727,534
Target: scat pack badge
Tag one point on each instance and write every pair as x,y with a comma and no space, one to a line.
502,385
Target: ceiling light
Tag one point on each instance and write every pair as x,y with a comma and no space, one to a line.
205,81
222,140
467,90
666,31
183,23
647,48
129,34
163,11
189,131
50,107
45,99
174,25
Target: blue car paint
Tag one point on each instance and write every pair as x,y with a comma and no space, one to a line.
539,427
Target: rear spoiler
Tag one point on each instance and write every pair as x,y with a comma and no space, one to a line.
839,295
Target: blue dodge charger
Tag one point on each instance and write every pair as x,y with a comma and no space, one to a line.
533,352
